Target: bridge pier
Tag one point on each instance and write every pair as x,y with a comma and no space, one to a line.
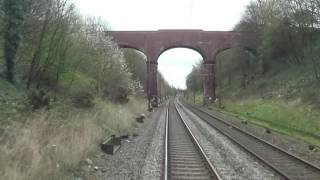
209,94
152,84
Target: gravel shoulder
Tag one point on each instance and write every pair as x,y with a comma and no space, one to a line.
230,160
294,146
138,158
155,157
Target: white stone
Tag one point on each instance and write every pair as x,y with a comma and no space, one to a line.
89,161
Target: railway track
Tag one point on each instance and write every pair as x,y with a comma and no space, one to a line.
281,161
184,157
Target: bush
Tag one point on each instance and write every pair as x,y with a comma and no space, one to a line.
39,99
83,100
117,94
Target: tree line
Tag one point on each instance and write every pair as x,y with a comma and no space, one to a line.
288,30
287,34
47,44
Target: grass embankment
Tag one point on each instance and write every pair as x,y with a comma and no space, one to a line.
49,144
293,120
286,101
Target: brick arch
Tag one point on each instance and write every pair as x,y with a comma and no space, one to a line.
207,43
251,50
196,49
132,47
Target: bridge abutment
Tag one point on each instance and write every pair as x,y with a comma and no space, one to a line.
209,94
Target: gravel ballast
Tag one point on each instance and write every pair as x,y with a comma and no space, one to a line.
138,158
230,160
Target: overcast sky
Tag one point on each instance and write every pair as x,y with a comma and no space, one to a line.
175,64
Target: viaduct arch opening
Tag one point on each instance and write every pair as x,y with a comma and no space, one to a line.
207,43
175,64
235,68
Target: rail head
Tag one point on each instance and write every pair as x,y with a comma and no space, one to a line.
166,146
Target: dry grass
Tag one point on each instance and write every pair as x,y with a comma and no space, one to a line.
50,144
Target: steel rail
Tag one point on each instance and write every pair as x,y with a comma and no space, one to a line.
166,146
184,156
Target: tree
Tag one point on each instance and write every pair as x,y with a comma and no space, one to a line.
63,52
287,28
14,13
136,63
194,80
164,89
49,30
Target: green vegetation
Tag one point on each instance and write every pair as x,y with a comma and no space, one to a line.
164,89
293,120
64,87
194,82
276,85
285,100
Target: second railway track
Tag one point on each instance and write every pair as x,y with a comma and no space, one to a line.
286,164
184,157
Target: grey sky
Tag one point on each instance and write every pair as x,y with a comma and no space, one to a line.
175,64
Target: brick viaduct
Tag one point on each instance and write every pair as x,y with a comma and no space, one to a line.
208,43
